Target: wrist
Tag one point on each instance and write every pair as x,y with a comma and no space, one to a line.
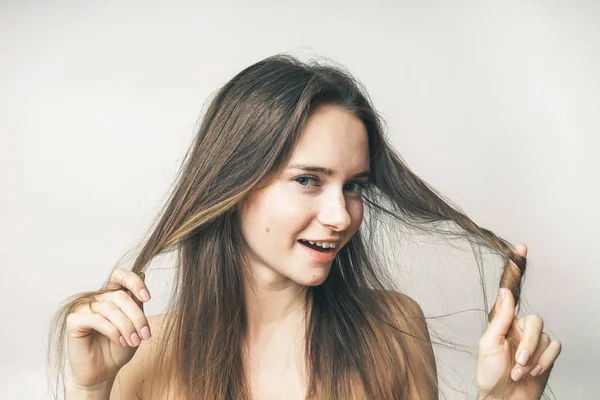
99,391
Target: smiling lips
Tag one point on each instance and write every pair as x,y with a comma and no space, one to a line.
320,251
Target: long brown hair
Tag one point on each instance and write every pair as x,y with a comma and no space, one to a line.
360,338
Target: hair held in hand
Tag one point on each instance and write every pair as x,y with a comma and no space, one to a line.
245,139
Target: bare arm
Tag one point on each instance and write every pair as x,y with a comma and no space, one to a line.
413,310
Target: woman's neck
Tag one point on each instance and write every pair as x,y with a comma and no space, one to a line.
273,307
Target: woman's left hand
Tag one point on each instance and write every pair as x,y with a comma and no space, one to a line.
533,360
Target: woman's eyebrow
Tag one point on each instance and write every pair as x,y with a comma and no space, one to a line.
325,171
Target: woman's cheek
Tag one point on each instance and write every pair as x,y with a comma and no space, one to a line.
356,213
295,203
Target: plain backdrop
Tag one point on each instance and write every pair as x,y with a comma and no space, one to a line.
493,103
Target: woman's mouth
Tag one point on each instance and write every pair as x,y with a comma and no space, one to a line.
318,247
320,253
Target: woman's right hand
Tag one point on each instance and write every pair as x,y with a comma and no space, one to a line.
103,335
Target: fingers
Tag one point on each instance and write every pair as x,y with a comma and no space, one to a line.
504,310
129,280
547,358
123,312
521,249
80,324
500,325
532,327
536,353
538,344
520,369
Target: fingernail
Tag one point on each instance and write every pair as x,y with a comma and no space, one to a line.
144,295
135,339
122,341
536,371
517,374
145,331
523,357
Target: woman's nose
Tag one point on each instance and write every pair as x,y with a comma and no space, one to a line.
334,212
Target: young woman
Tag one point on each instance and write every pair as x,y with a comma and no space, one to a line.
278,291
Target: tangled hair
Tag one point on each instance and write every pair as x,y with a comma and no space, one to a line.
246,138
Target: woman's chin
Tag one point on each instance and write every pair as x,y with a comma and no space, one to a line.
312,279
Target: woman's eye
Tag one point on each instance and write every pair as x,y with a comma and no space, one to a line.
306,181
354,187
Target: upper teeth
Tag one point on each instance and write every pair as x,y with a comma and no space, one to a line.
325,245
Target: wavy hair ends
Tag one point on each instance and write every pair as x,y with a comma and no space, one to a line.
246,138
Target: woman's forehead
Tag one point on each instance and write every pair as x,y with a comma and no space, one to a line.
333,138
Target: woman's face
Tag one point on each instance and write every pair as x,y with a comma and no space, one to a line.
317,198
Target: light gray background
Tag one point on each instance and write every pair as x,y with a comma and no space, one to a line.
493,103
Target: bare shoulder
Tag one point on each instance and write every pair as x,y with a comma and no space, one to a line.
422,372
409,306
130,379
406,301
412,311
404,304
